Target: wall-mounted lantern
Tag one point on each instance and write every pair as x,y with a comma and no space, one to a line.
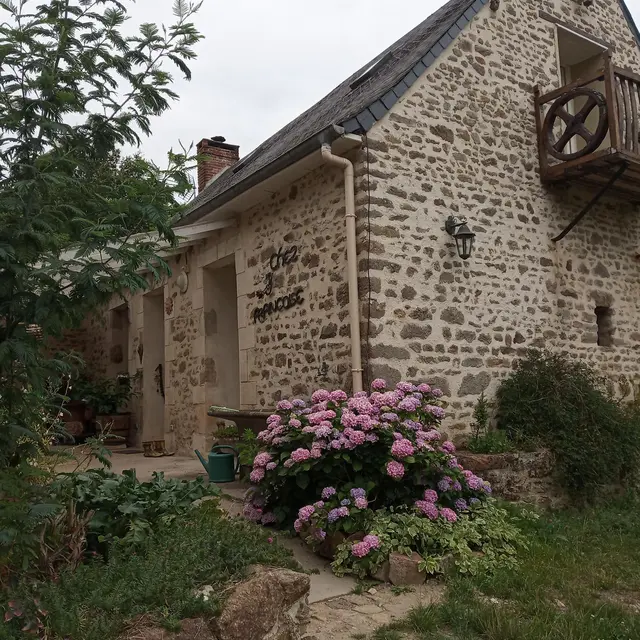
463,236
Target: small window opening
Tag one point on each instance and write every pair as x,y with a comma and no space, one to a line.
605,326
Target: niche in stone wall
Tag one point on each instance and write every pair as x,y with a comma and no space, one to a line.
604,321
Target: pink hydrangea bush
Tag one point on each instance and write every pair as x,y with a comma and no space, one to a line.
386,442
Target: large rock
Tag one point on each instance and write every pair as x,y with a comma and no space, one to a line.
190,629
272,604
403,570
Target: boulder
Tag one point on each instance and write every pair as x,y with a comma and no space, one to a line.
190,629
403,570
272,604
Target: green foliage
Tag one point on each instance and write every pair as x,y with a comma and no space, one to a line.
563,405
78,224
248,447
124,509
106,396
228,431
96,601
483,438
481,540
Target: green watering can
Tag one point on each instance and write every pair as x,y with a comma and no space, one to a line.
221,467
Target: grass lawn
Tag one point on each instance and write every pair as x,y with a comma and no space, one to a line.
579,580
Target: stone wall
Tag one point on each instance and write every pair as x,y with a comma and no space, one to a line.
463,141
528,477
281,353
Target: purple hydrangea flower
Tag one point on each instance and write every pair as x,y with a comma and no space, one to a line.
457,486
298,525
327,492
271,466
389,416
346,502
379,384
337,396
448,446
298,403
445,484
436,412
333,515
436,393
358,493
319,504
461,504
474,500
409,403
405,387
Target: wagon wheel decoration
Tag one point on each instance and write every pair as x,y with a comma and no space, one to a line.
575,124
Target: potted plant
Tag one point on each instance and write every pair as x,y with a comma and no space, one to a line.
248,449
109,399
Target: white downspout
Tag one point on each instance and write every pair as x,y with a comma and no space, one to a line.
352,259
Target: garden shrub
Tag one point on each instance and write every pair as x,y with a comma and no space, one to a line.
562,404
158,579
484,439
481,539
385,444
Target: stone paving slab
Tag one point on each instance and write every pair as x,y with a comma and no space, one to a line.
340,618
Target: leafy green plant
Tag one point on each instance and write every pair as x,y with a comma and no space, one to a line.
228,431
125,510
482,539
562,404
77,223
248,447
158,579
484,439
108,396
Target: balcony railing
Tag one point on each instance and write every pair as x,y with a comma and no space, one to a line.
590,130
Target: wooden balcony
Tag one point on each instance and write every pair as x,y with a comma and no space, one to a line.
589,131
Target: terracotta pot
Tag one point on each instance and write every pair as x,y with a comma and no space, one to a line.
74,411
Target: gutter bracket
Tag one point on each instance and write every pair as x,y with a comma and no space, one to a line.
614,178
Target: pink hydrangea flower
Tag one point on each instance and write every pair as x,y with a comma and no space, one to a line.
361,405
424,388
402,448
250,512
316,453
431,496
321,395
475,483
343,512
365,422
304,513
360,549
372,541
337,396
405,387
284,405
262,459
436,412
323,431
361,503
300,455
288,463
319,504
427,509
433,435
269,518
448,514
295,423
448,446
336,444
298,525
379,384
257,475
372,437
327,492
265,435
274,420
271,466
395,469
437,393
357,437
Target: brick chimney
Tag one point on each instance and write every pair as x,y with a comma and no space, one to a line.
219,156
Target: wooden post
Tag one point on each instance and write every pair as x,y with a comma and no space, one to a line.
612,102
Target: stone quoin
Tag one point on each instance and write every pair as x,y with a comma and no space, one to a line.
450,123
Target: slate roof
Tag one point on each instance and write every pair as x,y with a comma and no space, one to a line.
362,99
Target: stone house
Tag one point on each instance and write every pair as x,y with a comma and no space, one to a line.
518,116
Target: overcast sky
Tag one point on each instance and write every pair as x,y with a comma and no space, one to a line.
264,62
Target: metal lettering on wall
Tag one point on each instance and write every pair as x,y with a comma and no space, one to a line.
280,259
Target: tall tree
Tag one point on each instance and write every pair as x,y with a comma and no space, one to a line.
74,88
